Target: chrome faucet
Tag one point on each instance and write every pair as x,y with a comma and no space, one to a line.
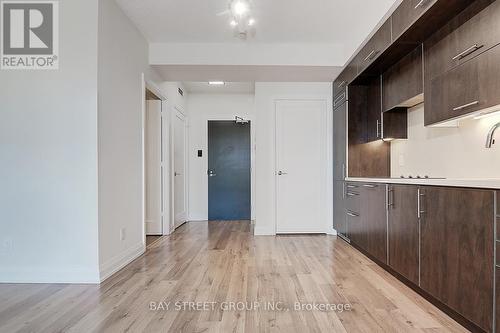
489,140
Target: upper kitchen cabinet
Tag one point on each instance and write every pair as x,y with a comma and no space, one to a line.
375,46
407,13
479,33
403,83
344,78
468,88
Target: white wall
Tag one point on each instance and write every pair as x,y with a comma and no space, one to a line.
446,152
48,160
204,107
265,96
123,57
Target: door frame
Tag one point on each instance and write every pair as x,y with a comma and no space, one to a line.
178,111
166,216
252,155
328,226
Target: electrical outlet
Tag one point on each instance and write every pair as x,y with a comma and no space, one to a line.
122,234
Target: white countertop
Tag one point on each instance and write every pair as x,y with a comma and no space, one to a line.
453,182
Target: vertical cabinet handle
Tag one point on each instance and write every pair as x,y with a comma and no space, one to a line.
390,197
420,194
370,55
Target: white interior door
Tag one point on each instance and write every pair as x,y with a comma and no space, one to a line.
301,166
153,166
180,207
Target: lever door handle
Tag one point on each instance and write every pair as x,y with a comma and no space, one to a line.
177,174
281,173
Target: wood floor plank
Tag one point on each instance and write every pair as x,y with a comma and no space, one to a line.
222,263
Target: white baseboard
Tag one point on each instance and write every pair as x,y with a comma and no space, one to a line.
121,260
74,275
266,231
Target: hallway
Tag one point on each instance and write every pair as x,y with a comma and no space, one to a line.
218,262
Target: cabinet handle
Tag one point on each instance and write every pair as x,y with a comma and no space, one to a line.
419,204
465,53
370,55
420,3
369,186
390,197
352,214
352,186
350,194
465,105
379,127
341,84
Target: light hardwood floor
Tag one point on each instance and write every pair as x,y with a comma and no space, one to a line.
223,262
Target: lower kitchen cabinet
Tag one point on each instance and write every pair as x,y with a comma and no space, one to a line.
339,209
457,250
374,220
403,231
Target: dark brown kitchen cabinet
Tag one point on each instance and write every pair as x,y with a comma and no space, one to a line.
374,220
339,142
373,111
357,115
341,82
457,247
339,208
403,83
469,87
374,47
407,13
403,230
475,36
355,229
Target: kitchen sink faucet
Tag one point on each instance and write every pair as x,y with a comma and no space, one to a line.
489,140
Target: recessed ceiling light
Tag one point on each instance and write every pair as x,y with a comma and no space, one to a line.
251,21
233,23
216,83
240,8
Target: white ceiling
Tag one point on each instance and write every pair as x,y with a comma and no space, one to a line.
295,39
227,88
278,21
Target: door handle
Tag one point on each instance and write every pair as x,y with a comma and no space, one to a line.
177,174
281,173
211,173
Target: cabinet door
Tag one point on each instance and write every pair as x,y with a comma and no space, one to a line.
339,210
374,220
403,83
407,13
467,88
356,230
374,111
403,229
341,82
474,37
375,46
339,142
457,244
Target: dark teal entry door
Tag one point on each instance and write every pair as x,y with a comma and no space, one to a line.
229,158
